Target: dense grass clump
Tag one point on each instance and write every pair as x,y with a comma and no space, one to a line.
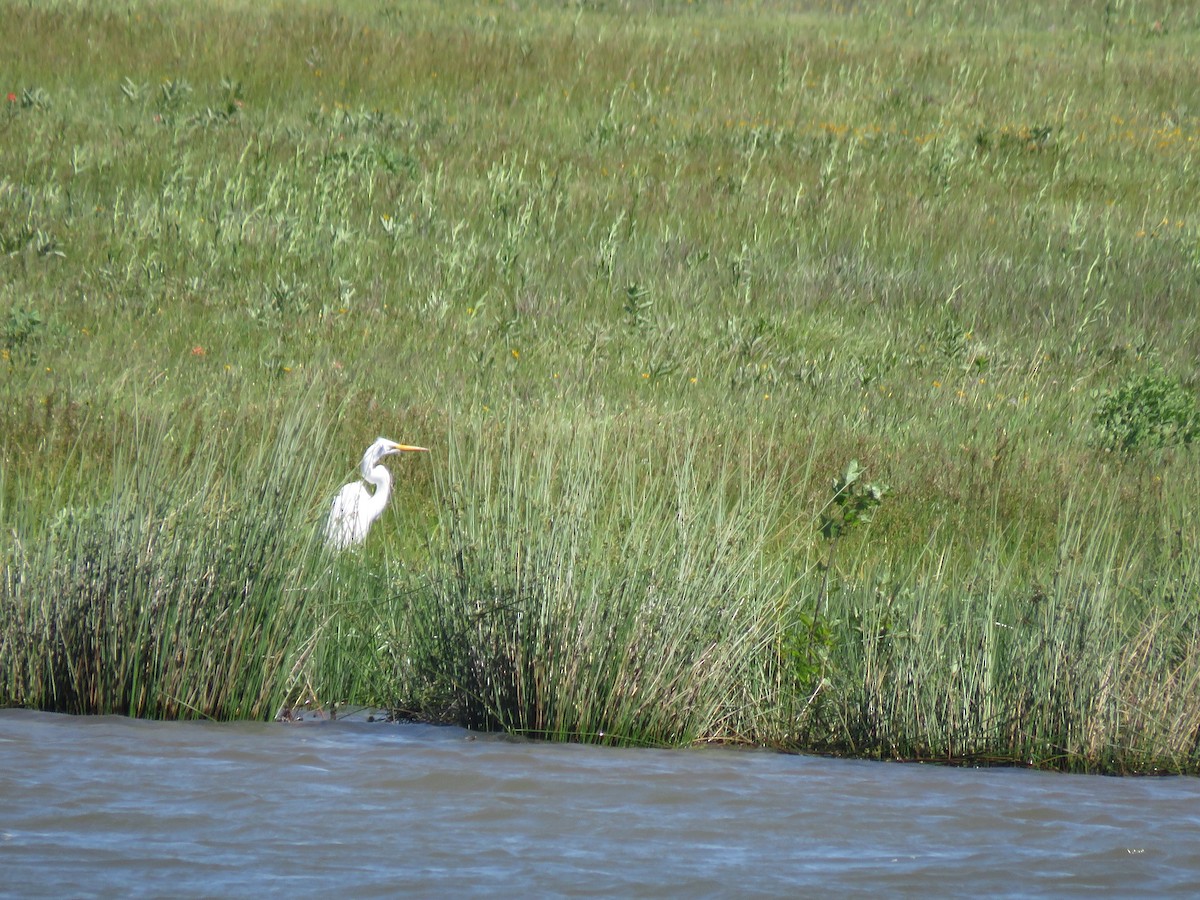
579,589
1095,668
647,277
189,586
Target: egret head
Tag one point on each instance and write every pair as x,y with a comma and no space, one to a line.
381,448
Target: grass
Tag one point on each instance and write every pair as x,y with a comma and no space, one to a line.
181,592
578,589
647,276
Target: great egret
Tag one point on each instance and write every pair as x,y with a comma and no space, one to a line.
355,508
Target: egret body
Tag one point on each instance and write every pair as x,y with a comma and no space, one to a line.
355,507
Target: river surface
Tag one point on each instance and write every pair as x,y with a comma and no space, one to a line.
114,807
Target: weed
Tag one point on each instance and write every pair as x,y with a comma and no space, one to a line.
1146,412
24,333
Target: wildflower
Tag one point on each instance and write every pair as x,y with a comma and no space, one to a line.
197,351
11,98
516,354
937,384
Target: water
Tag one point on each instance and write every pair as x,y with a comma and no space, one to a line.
115,807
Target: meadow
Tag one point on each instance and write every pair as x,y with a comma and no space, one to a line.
816,375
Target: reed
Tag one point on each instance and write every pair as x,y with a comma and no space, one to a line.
972,663
189,585
585,584
647,277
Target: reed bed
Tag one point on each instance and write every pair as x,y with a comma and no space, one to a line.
188,586
578,589
978,665
647,277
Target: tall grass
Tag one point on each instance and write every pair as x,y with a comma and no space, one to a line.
647,276
583,584
1094,668
190,585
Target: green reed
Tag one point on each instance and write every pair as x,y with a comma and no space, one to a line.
584,583
187,585
954,242
1092,668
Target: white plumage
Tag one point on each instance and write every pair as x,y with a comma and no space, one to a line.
355,507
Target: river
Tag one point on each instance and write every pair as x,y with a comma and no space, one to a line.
114,807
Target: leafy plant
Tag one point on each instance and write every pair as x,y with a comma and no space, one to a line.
854,502
35,98
172,91
23,332
132,91
1147,412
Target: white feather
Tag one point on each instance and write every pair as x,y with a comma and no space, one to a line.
355,507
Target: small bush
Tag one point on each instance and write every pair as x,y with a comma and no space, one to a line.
1147,411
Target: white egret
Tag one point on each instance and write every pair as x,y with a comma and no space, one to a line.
355,508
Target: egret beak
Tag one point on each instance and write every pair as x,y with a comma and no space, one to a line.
398,448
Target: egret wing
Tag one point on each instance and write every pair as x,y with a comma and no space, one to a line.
347,522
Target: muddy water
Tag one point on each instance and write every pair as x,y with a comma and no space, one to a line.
119,808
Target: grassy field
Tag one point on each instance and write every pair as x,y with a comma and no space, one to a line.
647,277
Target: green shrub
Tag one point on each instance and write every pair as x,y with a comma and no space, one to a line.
1147,412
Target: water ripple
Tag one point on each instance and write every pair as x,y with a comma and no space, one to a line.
108,806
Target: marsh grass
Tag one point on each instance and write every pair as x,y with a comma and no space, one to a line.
583,588
190,585
974,664
752,242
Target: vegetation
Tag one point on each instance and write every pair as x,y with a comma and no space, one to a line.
674,289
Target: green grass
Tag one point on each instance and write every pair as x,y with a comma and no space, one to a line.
646,276
190,589
579,589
